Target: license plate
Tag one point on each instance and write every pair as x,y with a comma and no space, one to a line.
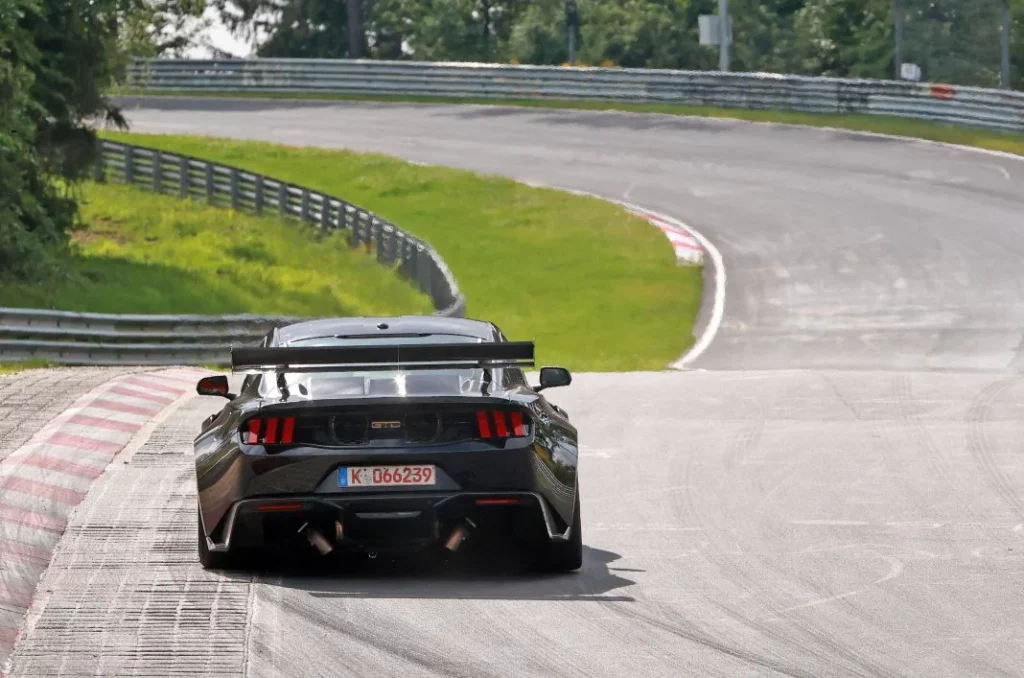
387,476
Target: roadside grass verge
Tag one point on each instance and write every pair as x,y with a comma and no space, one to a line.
597,288
1008,142
140,252
15,366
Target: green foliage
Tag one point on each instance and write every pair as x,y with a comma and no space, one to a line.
952,40
155,28
57,59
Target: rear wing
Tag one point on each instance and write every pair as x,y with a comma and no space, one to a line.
382,357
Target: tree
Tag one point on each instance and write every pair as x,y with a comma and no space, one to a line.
58,58
155,28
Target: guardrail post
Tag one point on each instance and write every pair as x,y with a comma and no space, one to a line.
209,183
325,213
234,189
355,231
259,194
282,197
129,164
381,250
411,260
184,182
423,266
304,214
98,168
158,175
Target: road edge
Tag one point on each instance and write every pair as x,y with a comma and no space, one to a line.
43,482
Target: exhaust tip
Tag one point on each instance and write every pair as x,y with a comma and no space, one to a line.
316,539
458,535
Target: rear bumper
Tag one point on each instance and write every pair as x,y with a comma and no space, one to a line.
383,521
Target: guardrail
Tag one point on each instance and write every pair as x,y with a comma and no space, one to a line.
114,339
989,108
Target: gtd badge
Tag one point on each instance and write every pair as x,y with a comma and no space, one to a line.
385,424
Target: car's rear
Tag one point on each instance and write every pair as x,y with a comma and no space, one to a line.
367,458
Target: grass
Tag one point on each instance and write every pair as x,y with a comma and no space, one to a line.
596,288
15,366
145,253
968,136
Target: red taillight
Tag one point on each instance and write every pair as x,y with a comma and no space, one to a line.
254,427
280,507
484,424
518,430
501,424
496,502
254,431
271,436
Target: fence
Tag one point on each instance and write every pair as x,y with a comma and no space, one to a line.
988,108
110,339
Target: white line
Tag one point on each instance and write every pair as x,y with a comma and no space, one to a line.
718,306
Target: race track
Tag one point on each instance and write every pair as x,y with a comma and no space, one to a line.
838,491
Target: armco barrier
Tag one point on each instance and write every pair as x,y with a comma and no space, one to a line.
114,339
989,108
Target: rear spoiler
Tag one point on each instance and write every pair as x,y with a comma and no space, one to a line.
382,357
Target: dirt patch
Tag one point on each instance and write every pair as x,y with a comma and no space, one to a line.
101,228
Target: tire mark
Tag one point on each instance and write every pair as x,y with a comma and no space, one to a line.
981,450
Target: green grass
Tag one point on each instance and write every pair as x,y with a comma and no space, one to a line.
968,136
15,366
596,288
145,253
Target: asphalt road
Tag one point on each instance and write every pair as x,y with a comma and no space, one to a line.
839,493
841,250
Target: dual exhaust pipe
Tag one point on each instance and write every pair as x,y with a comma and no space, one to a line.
317,539
324,547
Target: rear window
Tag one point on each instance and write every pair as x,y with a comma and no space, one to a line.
364,383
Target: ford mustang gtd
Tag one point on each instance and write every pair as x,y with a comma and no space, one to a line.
373,435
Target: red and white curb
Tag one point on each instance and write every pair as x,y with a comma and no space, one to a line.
43,481
685,244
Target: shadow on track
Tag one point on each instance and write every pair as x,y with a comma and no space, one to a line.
480,576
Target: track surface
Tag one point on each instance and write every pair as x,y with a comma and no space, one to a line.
777,514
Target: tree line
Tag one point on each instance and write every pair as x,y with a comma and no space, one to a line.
59,57
953,40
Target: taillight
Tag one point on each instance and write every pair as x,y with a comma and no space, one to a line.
270,431
500,424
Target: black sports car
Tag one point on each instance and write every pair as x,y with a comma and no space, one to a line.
382,434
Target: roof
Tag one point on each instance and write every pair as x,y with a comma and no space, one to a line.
384,326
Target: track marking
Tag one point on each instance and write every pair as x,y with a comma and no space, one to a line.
718,305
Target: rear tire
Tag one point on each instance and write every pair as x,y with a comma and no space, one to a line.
211,560
564,556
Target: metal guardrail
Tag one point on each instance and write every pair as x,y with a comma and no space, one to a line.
115,339
988,108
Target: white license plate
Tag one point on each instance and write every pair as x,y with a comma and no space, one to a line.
387,476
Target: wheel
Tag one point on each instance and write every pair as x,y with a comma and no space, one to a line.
210,560
564,556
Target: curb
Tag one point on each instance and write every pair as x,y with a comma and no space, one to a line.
684,243
690,247
44,480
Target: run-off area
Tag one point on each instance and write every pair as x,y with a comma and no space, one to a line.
782,523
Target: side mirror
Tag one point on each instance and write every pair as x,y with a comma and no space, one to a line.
214,386
552,377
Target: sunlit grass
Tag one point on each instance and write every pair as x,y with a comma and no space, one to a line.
140,252
595,287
